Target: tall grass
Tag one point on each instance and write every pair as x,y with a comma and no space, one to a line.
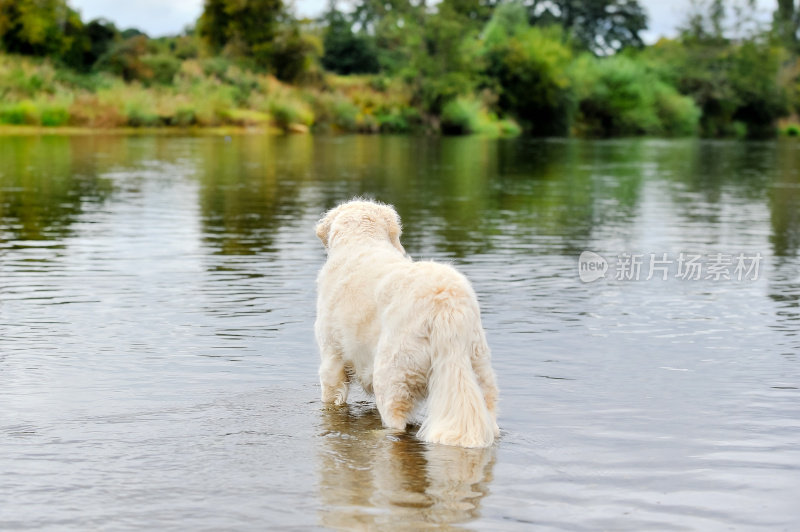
216,92
211,92
464,116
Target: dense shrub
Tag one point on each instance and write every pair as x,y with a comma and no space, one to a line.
737,86
461,117
20,113
464,116
620,95
288,112
54,115
294,55
124,59
161,68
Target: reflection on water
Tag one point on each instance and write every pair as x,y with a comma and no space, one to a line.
372,480
158,367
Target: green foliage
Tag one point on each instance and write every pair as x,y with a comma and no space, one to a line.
184,47
393,123
339,112
786,24
620,95
345,51
294,55
456,66
737,86
91,82
288,112
54,115
124,59
469,12
22,79
139,110
51,28
529,67
40,111
464,116
241,27
101,34
461,117
184,116
130,33
447,65
754,79
600,26
217,66
37,27
792,130
212,25
160,68
20,113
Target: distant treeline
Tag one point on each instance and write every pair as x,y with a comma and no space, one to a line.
545,67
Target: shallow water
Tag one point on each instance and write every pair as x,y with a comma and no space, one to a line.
158,366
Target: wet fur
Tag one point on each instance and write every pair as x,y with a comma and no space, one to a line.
405,331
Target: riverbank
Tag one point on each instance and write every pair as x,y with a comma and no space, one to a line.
26,130
37,95
214,93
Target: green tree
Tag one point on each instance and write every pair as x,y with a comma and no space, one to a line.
368,14
125,59
754,77
294,54
786,23
444,61
600,26
471,12
735,82
345,51
102,34
41,28
241,27
432,51
705,23
528,68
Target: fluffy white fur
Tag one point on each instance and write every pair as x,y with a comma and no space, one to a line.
404,330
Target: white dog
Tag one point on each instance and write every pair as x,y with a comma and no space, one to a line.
404,330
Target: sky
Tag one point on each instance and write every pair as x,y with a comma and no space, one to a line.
166,17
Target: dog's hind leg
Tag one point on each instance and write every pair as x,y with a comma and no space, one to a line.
399,380
481,365
333,377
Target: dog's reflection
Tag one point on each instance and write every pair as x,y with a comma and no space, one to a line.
373,478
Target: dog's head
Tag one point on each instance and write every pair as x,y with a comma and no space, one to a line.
360,219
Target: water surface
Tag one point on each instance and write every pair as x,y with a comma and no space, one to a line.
158,366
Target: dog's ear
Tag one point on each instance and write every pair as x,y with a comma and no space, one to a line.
393,225
324,227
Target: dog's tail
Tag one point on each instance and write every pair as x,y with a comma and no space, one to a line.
458,391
